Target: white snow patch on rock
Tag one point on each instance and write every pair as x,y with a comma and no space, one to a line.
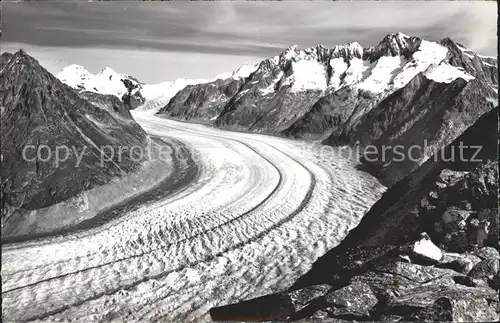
244,71
425,248
290,52
428,53
357,71
488,64
307,75
469,55
270,89
482,56
446,73
381,74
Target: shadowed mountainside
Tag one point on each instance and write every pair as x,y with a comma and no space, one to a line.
40,111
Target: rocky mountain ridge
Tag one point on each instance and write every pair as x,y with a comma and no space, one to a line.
285,90
354,95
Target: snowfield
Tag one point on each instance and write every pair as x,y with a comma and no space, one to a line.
259,212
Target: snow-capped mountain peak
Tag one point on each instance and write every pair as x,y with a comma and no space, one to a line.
285,87
75,76
379,70
396,44
108,72
245,70
107,81
289,53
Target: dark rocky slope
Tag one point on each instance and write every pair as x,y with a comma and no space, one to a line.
37,109
428,250
202,102
330,114
424,114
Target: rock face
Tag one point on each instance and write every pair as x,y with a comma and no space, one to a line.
426,251
42,116
4,59
133,97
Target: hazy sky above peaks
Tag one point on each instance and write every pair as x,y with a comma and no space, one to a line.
163,41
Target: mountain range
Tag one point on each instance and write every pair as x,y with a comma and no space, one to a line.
437,222
405,91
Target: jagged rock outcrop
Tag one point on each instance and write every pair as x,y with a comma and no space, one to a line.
399,264
42,117
108,102
481,67
330,113
394,44
4,59
133,97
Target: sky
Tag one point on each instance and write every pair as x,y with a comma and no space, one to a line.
163,41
